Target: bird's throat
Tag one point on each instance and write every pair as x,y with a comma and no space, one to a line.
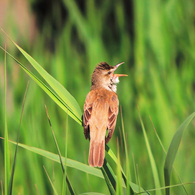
112,87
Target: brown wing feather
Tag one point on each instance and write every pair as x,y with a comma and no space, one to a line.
87,113
112,116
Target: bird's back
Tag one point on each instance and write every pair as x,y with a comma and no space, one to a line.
99,100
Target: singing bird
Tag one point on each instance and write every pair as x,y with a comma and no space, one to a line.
101,110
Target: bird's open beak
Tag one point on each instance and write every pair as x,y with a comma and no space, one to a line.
118,75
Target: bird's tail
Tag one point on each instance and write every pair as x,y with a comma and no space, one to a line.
96,153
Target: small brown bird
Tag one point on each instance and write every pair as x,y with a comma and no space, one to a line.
101,110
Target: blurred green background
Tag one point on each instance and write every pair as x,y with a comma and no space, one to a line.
155,39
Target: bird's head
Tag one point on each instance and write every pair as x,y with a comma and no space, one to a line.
103,76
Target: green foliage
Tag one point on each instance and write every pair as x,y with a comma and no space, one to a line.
158,49
173,148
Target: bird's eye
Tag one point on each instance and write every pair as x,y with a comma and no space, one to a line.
109,72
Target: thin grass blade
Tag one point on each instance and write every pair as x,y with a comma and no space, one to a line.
138,177
56,143
66,153
171,186
135,170
166,154
6,145
1,187
119,189
172,151
60,156
71,190
108,182
110,174
129,189
55,191
151,157
14,162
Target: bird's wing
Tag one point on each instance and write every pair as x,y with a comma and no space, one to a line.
112,116
87,113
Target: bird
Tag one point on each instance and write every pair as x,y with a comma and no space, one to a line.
100,111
